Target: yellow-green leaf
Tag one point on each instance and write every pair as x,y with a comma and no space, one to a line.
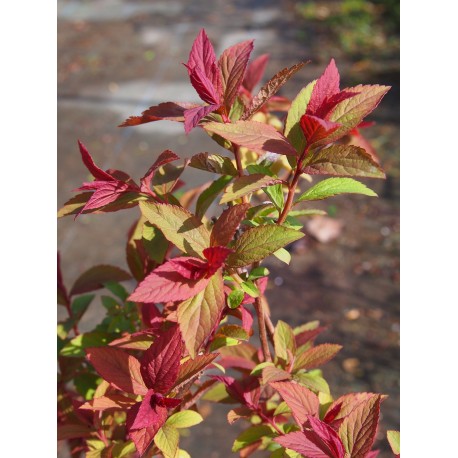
166,440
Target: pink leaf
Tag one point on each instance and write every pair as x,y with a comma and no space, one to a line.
164,158
316,129
118,368
202,56
374,454
105,193
308,335
96,172
145,413
255,72
326,86
169,111
166,284
194,115
300,400
233,63
160,364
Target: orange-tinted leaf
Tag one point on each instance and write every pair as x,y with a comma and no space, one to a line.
270,88
316,356
72,431
300,400
192,367
109,401
253,135
225,227
358,429
118,368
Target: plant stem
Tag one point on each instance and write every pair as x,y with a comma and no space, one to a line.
259,307
292,188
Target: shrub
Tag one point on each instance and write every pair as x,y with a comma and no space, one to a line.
185,332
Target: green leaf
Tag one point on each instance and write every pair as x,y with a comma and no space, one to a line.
257,243
276,195
306,212
80,305
218,393
258,272
250,288
257,371
166,177
394,438
293,131
235,298
86,384
184,419
234,331
179,226
245,185
166,440
117,289
199,315
237,110
223,341
283,255
282,409
333,186
207,197
154,242
250,435
313,381
213,163
344,160
284,340
75,348
255,136
123,449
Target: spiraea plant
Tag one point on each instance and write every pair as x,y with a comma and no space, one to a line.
185,333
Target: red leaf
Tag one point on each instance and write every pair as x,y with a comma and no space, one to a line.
246,391
160,364
300,400
166,284
316,129
72,431
216,256
255,72
330,103
151,316
118,368
62,295
320,442
164,158
233,63
203,86
202,56
145,413
189,268
193,116
96,277
96,172
247,318
143,437
227,224
169,111
326,86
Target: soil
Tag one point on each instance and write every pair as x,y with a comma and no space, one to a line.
116,58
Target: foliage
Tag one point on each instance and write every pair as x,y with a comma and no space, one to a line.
185,331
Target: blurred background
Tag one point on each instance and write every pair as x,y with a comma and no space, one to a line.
116,58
